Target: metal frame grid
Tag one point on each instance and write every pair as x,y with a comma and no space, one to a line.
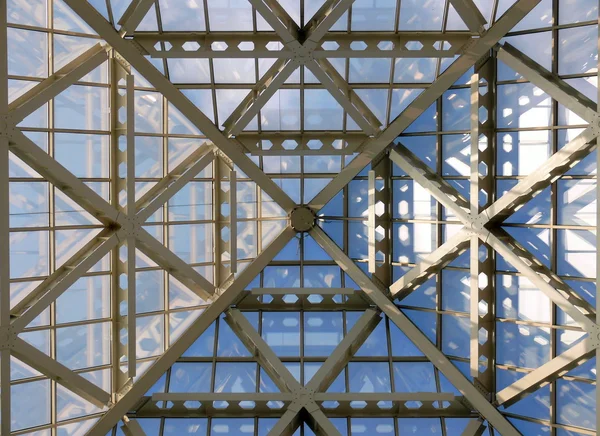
128,211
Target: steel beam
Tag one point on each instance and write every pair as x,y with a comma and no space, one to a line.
265,45
278,18
188,109
439,188
177,348
264,354
542,277
325,18
429,397
476,427
132,427
344,95
223,396
59,373
430,265
295,301
51,170
373,147
287,424
371,239
307,143
34,303
482,187
552,85
320,424
233,221
5,376
259,95
344,351
302,291
471,393
134,14
49,88
173,182
238,45
470,14
543,176
547,373
174,265
326,374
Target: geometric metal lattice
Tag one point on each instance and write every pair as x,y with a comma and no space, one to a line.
276,217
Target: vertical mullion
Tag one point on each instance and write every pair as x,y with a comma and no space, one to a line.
598,252
131,257
553,221
4,229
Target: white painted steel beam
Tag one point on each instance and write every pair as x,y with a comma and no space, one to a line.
471,393
134,14
371,221
328,143
320,424
233,223
5,376
344,351
54,172
430,265
385,396
174,265
173,182
344,95
541,277
546,373
373,147
327,374
177,348
470,14
137,60
302,291
264,354
439,188
287,424
226,45
325,18
49,88
61,374
132,427
259,96
38,300
278,18
552,85
223,396
476,427
543,176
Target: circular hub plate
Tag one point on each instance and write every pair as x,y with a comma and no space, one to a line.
302,219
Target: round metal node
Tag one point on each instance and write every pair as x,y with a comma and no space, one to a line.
303,219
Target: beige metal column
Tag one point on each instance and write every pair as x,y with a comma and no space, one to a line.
483,147
123,198
380,214
4,233
225,196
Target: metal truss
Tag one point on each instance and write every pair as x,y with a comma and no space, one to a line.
123,219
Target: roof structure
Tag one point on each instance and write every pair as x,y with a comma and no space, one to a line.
298,217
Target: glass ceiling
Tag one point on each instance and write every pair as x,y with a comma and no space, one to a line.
107,295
